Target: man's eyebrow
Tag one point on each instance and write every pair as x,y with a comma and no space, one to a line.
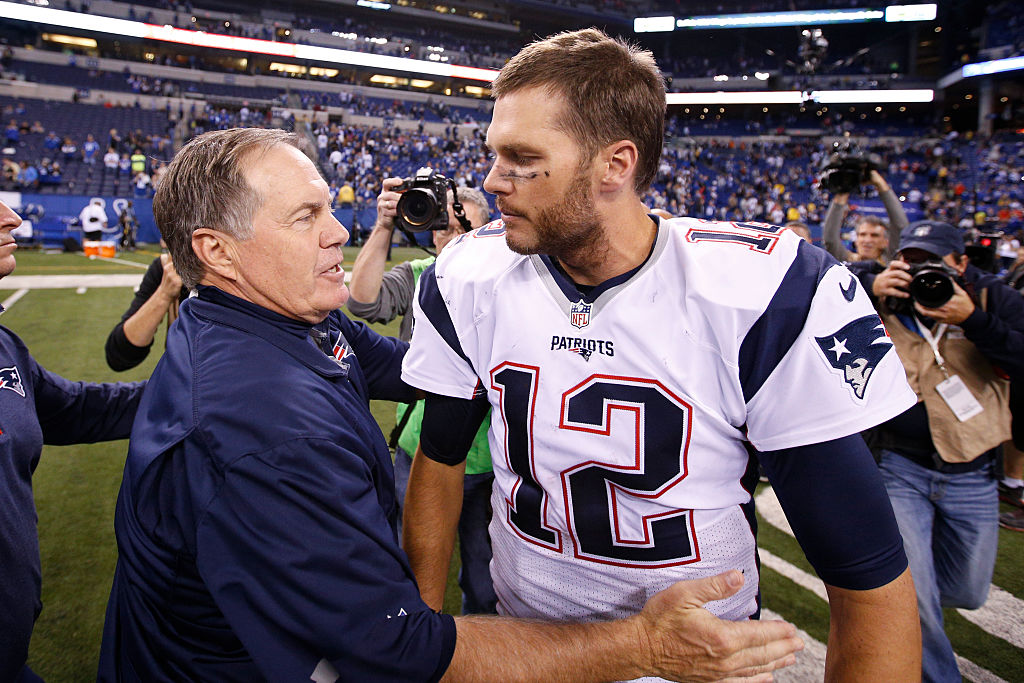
307,206
516,148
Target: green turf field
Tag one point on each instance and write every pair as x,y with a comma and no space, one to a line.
76,488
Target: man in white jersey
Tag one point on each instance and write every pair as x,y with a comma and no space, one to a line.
631,362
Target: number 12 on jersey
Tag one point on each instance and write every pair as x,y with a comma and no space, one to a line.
759,237
611,508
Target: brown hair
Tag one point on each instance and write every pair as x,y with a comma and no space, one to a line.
613,91
205,187
873,221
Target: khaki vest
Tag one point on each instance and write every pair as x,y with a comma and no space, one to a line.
954,440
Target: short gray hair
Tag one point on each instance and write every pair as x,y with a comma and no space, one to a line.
205,187
471,197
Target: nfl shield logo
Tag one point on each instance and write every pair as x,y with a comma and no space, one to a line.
579,314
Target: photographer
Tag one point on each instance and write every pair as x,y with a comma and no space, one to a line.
381,297
937,458
874,241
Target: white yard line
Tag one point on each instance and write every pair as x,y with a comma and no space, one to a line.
1002,615
124,261
10,301
70,281
810,662
793,573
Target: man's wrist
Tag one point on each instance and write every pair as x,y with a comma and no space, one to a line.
642,660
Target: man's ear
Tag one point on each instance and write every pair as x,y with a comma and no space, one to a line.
619,161
216,251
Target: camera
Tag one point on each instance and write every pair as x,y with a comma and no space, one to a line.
847,169
931,286
982,252
423,205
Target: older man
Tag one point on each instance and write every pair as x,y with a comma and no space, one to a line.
256,521
37,407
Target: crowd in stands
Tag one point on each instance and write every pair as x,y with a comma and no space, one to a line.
67,148
952,180
955,180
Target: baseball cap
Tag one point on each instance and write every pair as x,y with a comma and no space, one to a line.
935,237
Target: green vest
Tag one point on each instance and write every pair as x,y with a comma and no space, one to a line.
479,459
138,163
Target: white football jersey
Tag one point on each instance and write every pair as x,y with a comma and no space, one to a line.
620,419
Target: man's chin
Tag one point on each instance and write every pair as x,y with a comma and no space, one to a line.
7,266
343,295
521,247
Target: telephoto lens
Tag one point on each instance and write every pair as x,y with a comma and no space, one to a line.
931,287
418,207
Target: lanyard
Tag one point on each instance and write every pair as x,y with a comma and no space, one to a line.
933,341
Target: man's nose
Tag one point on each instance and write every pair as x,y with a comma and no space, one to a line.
335,235
495,183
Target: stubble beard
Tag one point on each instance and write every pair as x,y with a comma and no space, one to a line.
567,229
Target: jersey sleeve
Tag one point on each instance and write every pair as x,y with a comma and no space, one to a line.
298,555
437,361
83,412
818,364
834,498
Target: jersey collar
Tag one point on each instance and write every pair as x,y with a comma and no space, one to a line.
565,292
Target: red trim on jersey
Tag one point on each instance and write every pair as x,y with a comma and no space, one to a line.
495,228
637,466
749,230
509,504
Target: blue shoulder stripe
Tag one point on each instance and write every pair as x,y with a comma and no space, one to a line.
768,341
436,311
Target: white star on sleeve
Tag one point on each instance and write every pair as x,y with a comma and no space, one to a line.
839,348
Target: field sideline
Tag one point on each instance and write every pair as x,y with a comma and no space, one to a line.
76,488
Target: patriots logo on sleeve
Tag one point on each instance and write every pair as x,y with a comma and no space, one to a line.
11,379
856,349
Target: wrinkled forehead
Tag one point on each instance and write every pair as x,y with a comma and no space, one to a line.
870,229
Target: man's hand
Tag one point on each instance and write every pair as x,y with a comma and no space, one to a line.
689,643
893,281
878,181
170,283
141,327
387,204
674,637
954,311
368,269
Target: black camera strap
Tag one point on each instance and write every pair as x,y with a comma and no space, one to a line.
412,239
457,208
400,427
